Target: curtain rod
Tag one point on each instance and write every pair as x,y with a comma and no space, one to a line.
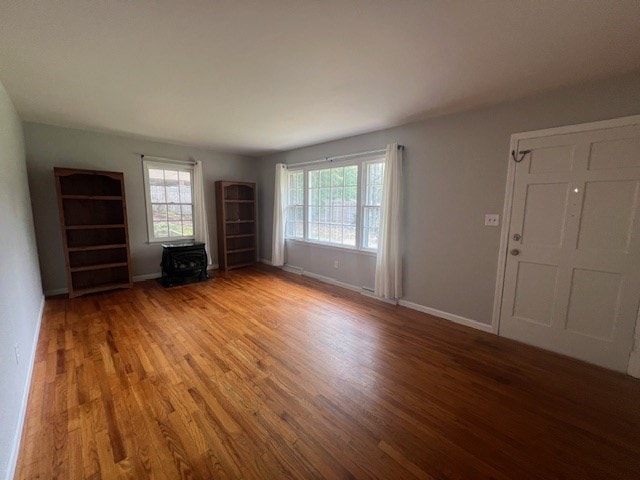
172,160
341,157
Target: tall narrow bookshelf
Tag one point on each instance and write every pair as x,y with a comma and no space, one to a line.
237,224
95,236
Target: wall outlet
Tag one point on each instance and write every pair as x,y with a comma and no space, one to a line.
491,220
16,349
336,264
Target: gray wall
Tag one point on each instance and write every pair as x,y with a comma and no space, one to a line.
455,171
20,291
48,146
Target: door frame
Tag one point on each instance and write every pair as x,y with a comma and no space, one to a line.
508,196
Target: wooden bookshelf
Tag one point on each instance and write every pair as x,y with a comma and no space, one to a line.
237,224
95,237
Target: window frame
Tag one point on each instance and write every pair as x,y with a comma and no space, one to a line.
362,163
160,165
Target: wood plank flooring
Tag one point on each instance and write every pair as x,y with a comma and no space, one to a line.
263,374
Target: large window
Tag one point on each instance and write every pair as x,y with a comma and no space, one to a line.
337,206
168,190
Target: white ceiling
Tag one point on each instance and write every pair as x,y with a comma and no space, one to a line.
264,75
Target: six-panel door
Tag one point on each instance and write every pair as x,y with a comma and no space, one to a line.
572,278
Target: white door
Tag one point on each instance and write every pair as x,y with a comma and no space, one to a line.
572,276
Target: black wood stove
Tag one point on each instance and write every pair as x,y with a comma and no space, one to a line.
183,263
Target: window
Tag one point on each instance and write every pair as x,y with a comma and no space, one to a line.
168,191
374,173
333,202
295,205
341,206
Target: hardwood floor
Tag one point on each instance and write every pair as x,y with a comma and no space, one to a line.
264,374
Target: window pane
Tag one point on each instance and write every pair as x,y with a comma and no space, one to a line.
337,177
313,231
171,182
313,214
313,196
325,214
156,174
171,176
294,218
187,213
371,239
336,234
156,185
350,236
157,192
374,176
350,195
325,178
175,220
376,173
314,179
336,196
324,196
324,234
336,215
187,228
376,195
350,216
371,227
160,225
185,186
351,175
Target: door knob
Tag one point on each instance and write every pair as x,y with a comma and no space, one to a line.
515,252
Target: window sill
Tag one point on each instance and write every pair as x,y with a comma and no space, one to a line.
328,246
173,240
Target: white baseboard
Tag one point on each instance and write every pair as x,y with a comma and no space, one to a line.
322,278
634,364
368,292
467,322
146,276
136,278
331,281
404,303
13,459
55,291
292,269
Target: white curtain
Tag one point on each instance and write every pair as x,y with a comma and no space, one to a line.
279,215
388,283
201,232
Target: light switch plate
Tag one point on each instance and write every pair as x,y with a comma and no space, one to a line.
491,220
